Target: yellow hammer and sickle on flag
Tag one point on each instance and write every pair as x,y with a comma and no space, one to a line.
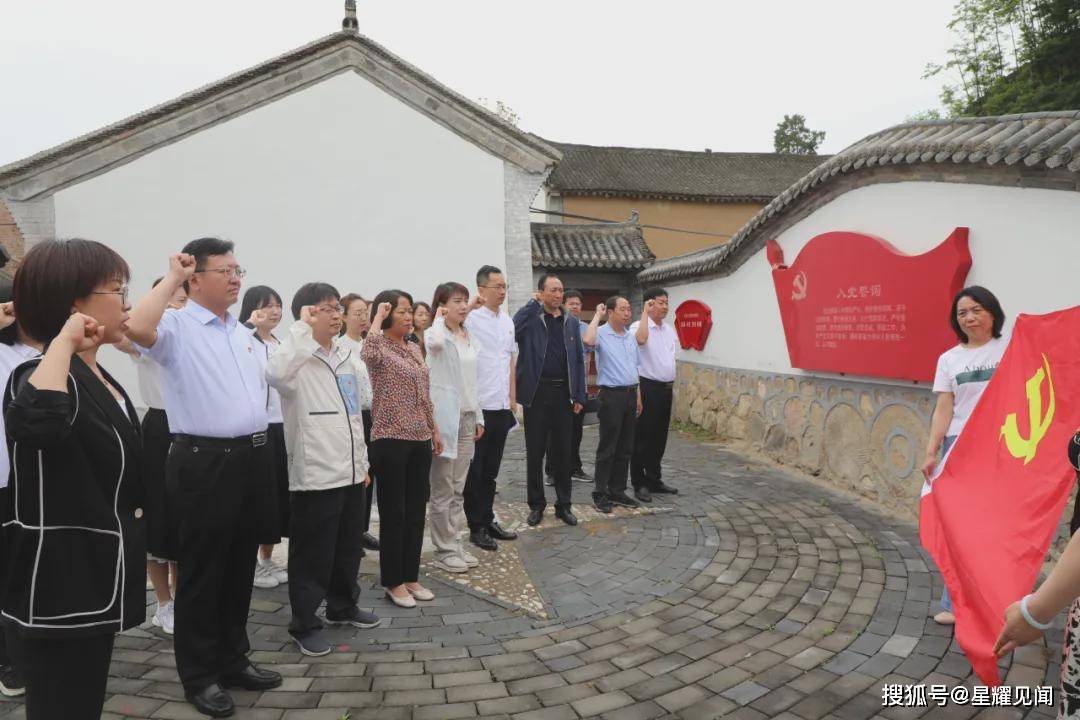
1019,446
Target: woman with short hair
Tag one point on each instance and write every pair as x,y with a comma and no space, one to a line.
75,537
452,360
260,311
962,374
403,438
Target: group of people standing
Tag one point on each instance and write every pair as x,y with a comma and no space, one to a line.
253,434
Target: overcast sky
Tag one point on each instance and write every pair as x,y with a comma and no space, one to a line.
678,73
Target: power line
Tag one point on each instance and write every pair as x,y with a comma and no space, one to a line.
619,222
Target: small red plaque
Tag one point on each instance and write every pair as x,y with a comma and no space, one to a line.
693,320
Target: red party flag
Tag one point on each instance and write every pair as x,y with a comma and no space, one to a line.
989,514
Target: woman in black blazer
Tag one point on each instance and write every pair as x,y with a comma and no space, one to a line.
75,545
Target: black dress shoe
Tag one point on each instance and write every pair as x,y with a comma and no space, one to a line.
482,539
370,542
581,475
603,504
566,516
643,494
660,487
624,500
499,533
252,678
211,700
535,516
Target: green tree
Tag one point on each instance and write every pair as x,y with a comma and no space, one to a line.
1012,56
792,137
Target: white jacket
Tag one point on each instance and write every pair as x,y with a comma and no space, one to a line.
448,386
320,395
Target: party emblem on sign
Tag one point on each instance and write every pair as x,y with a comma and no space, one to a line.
798,286
1018,445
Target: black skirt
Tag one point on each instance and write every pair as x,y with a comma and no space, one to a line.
160,533
274,514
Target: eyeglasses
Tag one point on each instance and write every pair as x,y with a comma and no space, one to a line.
496,287
239,272
122,292
331,309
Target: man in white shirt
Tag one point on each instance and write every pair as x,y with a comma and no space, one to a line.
493,330
218,467
656,374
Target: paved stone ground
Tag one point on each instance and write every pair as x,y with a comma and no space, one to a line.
751,594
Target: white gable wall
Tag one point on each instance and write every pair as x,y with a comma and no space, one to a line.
1024,248
339,182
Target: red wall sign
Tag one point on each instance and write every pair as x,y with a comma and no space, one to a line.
693,320
852,303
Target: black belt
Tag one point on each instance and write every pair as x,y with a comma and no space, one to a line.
552,381
620,388
650,381
256,440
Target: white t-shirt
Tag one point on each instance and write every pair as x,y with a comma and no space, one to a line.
149,373
263,349
467,356
964,372
11,357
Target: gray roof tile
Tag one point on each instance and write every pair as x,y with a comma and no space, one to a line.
676,174
1046,140
607,246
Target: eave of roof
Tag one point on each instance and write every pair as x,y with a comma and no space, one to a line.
120,142
600,246
1045,144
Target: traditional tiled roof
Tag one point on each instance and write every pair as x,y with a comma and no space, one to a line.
606,246
1041,143
676,174
265,82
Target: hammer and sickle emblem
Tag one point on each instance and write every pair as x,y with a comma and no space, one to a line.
1019,446
798,285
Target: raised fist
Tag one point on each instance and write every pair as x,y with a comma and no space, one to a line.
441,312
307,314
384,311
601,311
181,266
81,332
7,314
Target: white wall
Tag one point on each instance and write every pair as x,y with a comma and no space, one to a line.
1025,247
339,182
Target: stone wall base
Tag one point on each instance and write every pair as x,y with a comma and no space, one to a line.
862,438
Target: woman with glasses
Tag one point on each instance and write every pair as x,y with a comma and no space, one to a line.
261,312
355,329
403,438
75,540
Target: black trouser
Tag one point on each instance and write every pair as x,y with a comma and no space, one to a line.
11,652
324,555
576,432
66,677
618,411
213,485
651,435
403,491
479,494
548,425
369,491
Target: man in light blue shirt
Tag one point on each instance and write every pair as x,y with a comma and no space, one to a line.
218,475
620,399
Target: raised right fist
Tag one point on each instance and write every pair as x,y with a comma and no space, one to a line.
181,266
81,332
601,311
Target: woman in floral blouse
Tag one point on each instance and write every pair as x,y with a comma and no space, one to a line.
403,439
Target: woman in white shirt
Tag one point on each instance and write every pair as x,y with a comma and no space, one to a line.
353,332
261,311
962,375
160,543
451,359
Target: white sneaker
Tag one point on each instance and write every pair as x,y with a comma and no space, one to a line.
164,617
263,578
278,571
469,559
451,563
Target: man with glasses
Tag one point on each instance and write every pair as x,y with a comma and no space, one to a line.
219,467
493,330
